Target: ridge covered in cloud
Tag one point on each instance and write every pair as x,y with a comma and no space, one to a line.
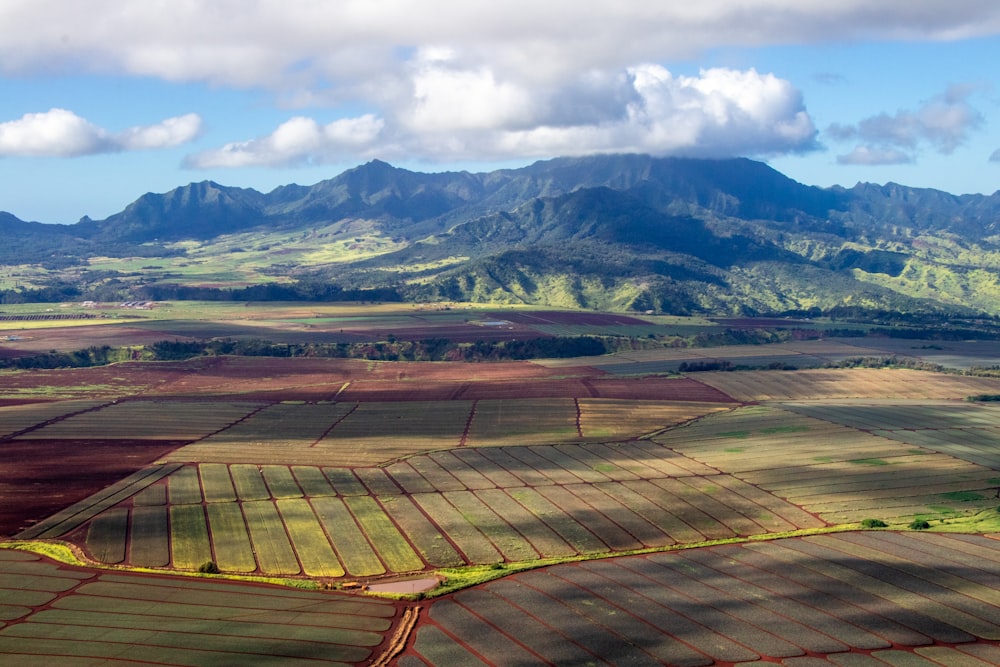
449,113
475,80
61,133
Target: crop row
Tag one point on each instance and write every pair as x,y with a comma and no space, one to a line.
895,416
71,616
848,383
149,419
861,598
363,434
839,473
502,504
14,418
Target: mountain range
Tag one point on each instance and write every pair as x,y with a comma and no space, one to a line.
612,232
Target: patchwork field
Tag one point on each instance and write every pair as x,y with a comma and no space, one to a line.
841,383
59,615
839,473
463,506
332,471
866,599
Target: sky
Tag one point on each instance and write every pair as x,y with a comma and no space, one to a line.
102,101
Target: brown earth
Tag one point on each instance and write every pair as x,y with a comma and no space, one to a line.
68,339
41,477
561,317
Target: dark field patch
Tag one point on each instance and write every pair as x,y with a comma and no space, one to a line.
838,599
40,477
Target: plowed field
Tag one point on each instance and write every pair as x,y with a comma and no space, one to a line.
850,599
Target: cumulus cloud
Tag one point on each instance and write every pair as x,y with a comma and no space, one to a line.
865,155
473,79
61,133
447,113
297,141
281,43
943,123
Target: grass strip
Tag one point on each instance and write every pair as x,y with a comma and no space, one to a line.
230,539
309,540
106,535
395,551
267,532
189,544
356,554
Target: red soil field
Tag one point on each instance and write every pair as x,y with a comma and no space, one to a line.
561,317
67,339
40,477
456,333
652,389
286,379
761,322
656,389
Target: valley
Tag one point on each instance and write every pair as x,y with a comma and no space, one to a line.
664,501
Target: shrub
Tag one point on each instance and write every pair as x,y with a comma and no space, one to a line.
874,523
919,524
209,567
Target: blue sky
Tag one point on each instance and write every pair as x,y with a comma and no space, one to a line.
102,101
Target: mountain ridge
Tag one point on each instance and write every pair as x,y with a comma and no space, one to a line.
733,235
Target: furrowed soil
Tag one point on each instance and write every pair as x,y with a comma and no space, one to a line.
40,477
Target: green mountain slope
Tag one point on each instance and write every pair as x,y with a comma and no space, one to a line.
612,232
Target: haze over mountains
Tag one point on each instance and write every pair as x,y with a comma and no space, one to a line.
620,232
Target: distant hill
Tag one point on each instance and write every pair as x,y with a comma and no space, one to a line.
620,232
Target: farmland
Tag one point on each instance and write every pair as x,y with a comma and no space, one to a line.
659,493
76,616
850,599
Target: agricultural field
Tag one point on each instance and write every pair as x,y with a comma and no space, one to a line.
798,354
870,599
660,494
449,508
836,472
841,383
59,615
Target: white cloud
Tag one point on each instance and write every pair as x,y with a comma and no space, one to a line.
61,133
477,79
167,134
872,156
293,43
942,123
719,113
297,141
